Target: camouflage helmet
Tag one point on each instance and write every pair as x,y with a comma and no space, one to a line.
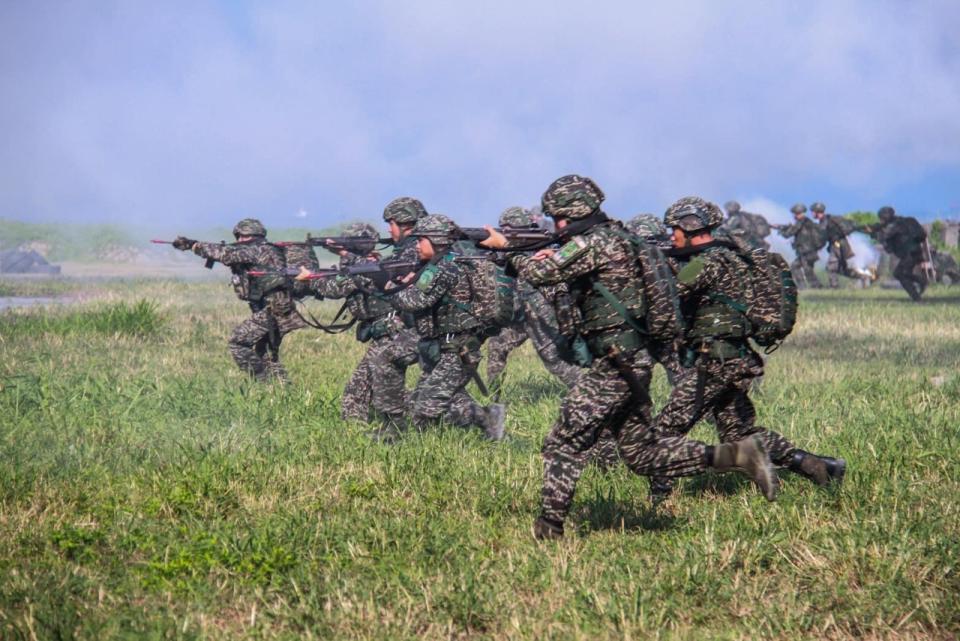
249,227
799,208
437,227
571,196
362,230
404,211
517,217
693,213
732,207
818,208
646,226
886,212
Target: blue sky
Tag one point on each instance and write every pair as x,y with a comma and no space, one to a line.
198,113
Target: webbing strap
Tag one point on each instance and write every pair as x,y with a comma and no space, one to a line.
620,308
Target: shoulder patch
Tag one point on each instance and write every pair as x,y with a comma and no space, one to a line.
427,276
688,275
576,246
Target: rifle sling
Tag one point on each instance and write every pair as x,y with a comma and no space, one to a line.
620,308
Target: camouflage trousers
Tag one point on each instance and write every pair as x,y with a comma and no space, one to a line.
719,388
602,399
378,382
255,343
441,390
837,264
802,268
510,338
912,282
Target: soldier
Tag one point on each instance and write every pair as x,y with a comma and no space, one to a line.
377,381
807,241
754,227
602,267
945,267
450,335
255,343
835,230
724,363
903,237
537,322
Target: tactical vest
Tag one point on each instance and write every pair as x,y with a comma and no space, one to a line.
714,319
270,259
452,315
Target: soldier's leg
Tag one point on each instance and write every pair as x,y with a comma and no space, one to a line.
389,372
904,274
833,269
440,394
811,275
286,319
498,350
358,392
248,344
543,341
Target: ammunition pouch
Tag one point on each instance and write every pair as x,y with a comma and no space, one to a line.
719,321
428,350
718,349
625,341
601,305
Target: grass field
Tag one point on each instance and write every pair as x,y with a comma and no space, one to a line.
149,491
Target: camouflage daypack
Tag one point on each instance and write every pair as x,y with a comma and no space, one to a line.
493,294
771,293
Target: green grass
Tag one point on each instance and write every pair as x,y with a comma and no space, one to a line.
149,491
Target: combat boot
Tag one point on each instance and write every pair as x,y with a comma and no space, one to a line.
495,416
661,487
822,470
545,529
749,457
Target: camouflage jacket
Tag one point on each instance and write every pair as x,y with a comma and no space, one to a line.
806,236
836,228
603,255
364,301
439,299
241,258
710,274
900,236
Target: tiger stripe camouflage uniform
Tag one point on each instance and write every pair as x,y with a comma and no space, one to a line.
835,230
614,392
450,338
378,380
807,242
903,237
726,364
754,227
255,343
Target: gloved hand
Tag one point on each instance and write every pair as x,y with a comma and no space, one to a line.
183,243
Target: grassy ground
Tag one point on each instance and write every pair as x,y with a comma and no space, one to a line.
149,491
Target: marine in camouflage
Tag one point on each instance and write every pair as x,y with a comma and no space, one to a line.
835,230
903,237
450,338
807,241
255,343
754,227
724,363
613,393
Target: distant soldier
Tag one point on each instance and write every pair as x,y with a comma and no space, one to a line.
807,241
755,227
607,280
903,237
255,343
378,381
450,335
945,267
712,288
835,230
537,322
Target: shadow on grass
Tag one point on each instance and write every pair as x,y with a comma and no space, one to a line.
722,484
534,389
606,513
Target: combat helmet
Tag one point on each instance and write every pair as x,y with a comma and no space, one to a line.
438,228
799,208
886,212
516,217
693,213
571,197
818,208
404,211
732,206
249,227
362,230
646,226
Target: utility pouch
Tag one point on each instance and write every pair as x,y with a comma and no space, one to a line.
364,332
429,351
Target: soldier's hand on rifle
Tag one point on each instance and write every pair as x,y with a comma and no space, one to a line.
183,243
303,275
339,250
543,254
495,240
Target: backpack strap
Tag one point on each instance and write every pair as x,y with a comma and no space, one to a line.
617,305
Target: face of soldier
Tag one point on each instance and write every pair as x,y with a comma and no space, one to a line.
679,238
425,248
797,215
818,215
560,223
396,233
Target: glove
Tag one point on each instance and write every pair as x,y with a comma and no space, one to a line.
183,243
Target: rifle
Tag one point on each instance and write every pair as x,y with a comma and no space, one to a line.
353,244
389,268
927,264
182,243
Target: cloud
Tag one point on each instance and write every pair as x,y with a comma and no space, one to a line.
194,112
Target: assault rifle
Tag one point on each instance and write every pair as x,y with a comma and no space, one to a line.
353,244
183,244
387,269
